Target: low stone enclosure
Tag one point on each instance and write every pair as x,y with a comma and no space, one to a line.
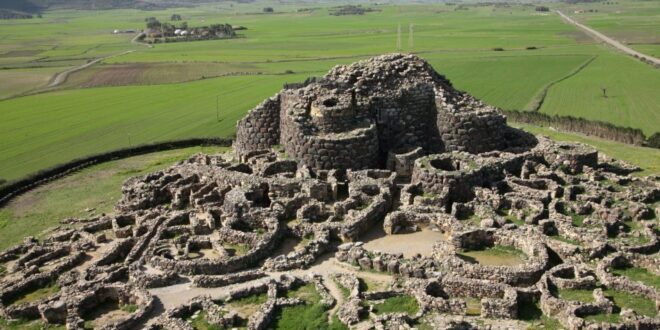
279,227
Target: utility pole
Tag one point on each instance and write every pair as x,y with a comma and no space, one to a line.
410,36
130,145
398,37
217,107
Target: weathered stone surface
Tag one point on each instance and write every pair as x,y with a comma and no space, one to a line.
315,169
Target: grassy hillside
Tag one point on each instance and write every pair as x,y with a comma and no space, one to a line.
646,158
32,213
52,128
169,91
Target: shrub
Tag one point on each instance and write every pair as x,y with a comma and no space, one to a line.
498,49
654,140
129,308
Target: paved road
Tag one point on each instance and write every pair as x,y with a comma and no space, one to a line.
62,76
612,42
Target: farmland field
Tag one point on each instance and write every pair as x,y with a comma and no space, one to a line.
170,91
13,82
627,102
635,23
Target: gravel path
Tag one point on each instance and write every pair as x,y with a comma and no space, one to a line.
599,36
61,77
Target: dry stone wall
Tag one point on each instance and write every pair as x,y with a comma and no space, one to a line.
492,221
357,114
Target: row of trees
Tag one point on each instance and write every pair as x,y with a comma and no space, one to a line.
10,14
164,27
204,32
350,10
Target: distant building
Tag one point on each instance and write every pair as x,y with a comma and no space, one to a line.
123,31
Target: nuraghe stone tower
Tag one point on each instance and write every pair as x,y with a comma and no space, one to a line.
379,172
361,115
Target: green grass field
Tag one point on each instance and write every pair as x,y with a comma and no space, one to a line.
632,22
169,91
47,123
632,96
18,81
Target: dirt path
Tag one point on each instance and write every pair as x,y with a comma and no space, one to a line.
334,292
408,244
179,294
61,77
536,103
137,38
599,36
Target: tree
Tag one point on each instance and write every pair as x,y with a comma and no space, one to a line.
654,140
184,26
222,30
175,17
268,10
168,29
152,23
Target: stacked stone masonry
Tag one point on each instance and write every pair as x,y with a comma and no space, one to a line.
379,148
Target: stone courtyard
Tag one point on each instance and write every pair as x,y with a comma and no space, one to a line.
378,183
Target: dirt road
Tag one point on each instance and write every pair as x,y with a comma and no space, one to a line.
599,36
61,77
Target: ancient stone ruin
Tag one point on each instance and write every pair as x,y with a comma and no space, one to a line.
378,185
